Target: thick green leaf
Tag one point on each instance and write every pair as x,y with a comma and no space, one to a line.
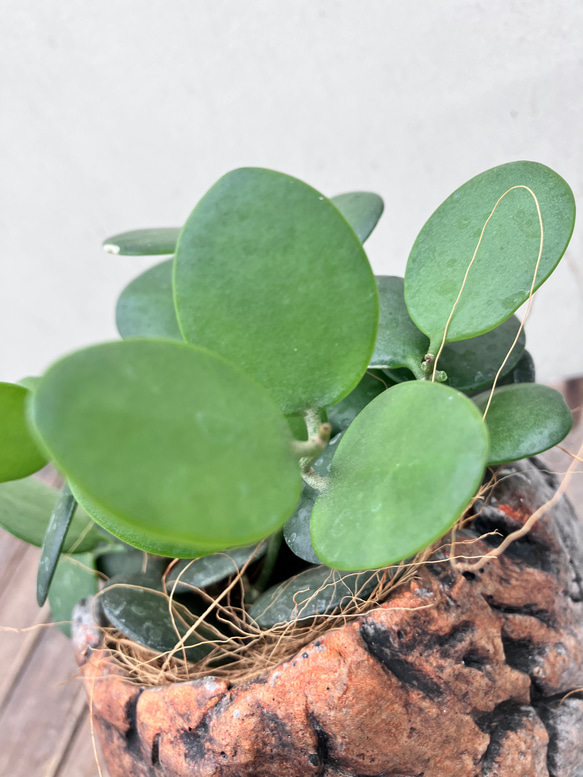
343,414
145,307
314,592
74,579
173,445
362,210
132,535
501,276
525,371
473,363
54,541
399,342
143,242
268,274
30,382
25,510
209,570
123,559
524,419
296,531
19,454
405,470
134,605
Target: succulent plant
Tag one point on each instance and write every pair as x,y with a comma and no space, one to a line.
275,407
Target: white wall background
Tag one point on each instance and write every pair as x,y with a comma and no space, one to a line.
117,114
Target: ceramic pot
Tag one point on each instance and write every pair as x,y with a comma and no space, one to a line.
455,675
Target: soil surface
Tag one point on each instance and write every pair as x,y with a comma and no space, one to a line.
456,675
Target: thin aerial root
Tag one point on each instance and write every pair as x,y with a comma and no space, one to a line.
530,296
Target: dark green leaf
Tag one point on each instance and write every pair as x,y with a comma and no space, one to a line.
473,363
405,470
53,542
524,419
343,414
135,606
525,371
74,579
268,274
314,592
123,559
399,343
500,279
25,510
170,444
145,307
296,531
362,210
19,454
143,242
209,570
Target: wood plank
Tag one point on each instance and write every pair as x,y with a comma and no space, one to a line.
19,610
36,721
80,759
11,551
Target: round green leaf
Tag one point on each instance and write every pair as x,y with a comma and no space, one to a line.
296,531
143,242
405,470
473,363
25,510
362,210
524,419
145,307
525,371
30,382
54,541
209,570
268,274
74,579
314,592
399,343
172,443
19,453
499,281
124,559
132,535
343,414
134,605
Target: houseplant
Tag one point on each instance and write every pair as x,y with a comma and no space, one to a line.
300,428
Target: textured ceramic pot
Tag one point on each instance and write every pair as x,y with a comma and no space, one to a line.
456,675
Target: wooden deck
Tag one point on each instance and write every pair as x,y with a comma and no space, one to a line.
44,720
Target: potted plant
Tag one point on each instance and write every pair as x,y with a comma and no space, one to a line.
310,492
